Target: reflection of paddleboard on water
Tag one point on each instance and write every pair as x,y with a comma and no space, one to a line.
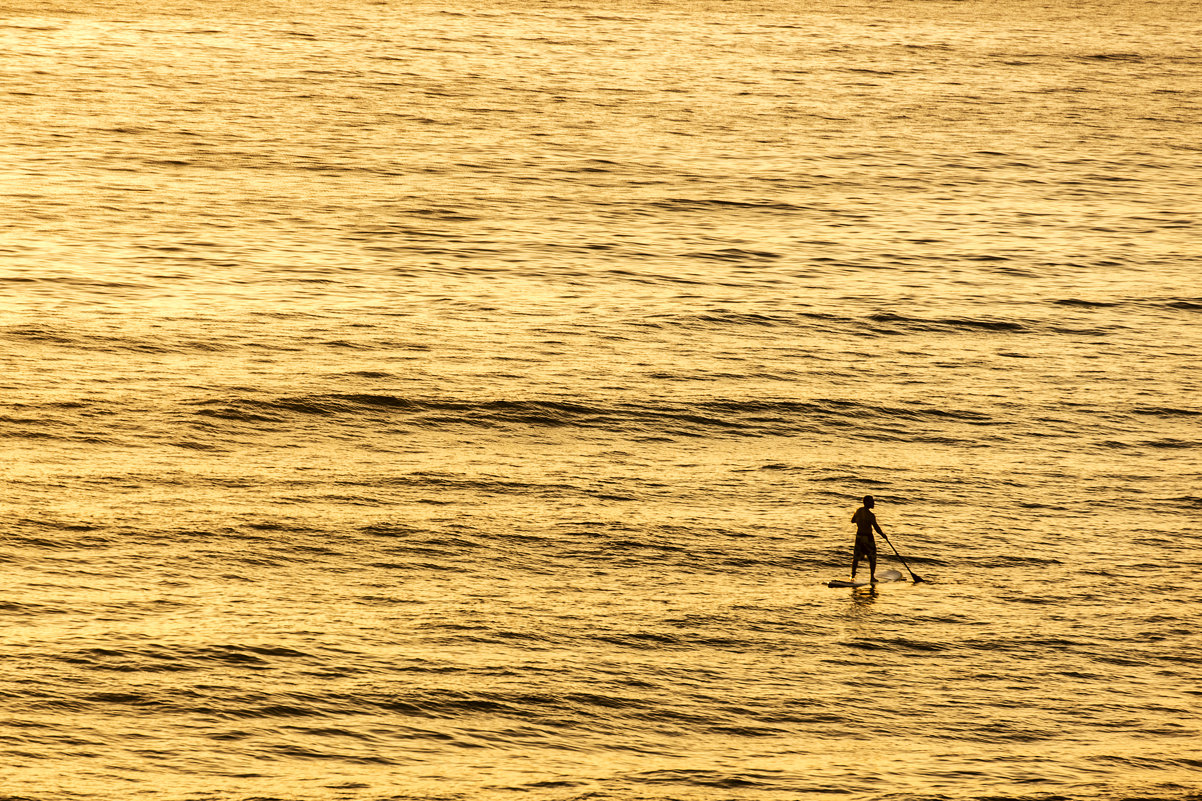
881,578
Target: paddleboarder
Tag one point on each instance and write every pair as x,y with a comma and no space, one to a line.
865,547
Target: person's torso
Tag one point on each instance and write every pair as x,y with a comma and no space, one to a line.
863,518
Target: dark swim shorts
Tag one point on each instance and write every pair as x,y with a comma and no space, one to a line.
865,546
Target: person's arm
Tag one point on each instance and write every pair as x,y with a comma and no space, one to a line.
877,526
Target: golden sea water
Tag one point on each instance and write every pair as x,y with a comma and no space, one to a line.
434,401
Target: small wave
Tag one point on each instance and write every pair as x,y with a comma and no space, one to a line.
38,333
750,418
486,485
707,778
1127,57
1166,411
734,255
946,323
192,445
157,658
448,703
705,204
370,374
1142,762
32,609
101,343
899,644
254,410
718,317
1012,560
1086,304
643,640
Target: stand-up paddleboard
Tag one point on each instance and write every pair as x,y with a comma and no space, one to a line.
882,577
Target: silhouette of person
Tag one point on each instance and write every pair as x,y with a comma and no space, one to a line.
865,548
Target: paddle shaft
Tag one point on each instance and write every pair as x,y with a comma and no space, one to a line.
899,556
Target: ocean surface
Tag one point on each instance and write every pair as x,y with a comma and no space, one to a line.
469,402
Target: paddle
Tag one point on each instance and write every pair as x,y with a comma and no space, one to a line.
903,561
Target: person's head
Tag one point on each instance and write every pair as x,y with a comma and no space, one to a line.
869,502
